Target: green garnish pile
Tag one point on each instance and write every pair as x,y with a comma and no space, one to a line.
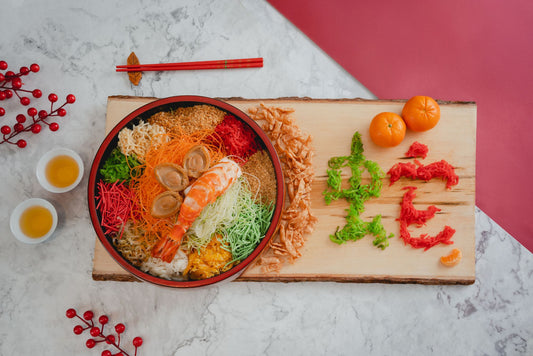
119,167
249,227
356,194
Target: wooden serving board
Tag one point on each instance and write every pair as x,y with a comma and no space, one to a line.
332,124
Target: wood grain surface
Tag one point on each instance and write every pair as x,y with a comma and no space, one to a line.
332,124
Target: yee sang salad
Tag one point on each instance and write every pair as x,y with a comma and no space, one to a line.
188,194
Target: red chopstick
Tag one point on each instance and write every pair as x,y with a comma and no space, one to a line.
218,64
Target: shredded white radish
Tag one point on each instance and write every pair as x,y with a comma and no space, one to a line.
140,139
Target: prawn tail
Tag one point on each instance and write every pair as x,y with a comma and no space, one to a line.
167,247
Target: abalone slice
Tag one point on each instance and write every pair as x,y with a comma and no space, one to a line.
171,176
166,204
196,161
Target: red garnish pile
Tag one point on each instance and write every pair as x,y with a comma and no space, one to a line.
238,138
408,214
417,149
440,169
11,86
98,333
115,205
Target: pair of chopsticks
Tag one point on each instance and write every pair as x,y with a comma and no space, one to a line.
218,64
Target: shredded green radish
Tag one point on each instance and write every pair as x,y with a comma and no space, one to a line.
237,217
249,227
214,217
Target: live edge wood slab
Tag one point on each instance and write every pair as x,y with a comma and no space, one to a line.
332,124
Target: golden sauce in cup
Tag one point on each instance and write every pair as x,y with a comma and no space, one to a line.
62,171
36,221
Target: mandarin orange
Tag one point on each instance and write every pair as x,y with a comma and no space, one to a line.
387,129
421,113
452,259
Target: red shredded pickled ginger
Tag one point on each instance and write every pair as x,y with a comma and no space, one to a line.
238,138
417,149
115,206
409,215
440,169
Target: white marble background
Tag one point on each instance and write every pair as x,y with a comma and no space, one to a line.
77,44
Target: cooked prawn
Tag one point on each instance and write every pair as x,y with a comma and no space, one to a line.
205,190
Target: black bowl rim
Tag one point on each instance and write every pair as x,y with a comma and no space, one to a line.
233,272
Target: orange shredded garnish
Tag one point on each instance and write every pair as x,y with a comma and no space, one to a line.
146,187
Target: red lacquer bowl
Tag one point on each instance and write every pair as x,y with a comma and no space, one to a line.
143,113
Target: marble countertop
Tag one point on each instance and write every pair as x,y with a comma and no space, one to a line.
77,44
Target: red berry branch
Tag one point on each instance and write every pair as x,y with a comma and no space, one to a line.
10,86
98,333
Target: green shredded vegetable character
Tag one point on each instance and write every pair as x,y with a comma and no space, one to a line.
119,167
356,194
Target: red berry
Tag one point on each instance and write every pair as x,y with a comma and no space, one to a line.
43,114
35,67
110,339
119,328
137,341
37,93
2,78
78,329
9,94
21,118
3,65
16,83
52,97
24,70
71,99
32,111
18,127
71,313
25,101
106,353
21,143
103,319
95,331
36,128
61,112
2,95
88,315
54,126
90,343
10,74
2,111
6,130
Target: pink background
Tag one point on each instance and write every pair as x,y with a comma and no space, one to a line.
478,51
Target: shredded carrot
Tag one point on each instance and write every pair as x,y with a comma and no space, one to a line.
146,187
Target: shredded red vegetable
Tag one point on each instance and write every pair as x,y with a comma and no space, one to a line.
417,149
440,169
239,139
410,215
402,170
115,205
